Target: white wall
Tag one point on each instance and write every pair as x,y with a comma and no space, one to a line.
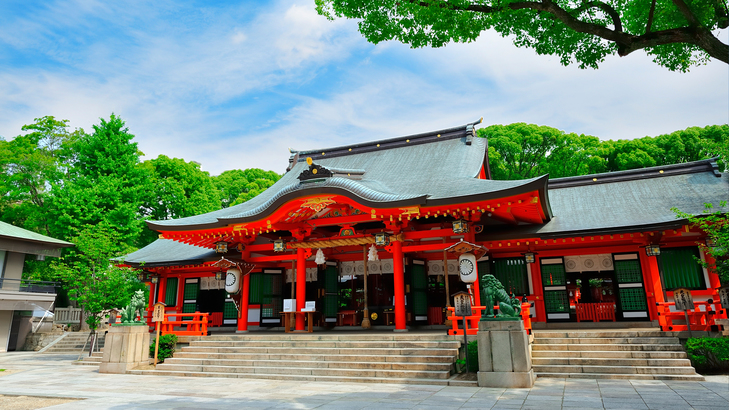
6,320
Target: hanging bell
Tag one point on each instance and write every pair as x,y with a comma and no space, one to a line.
320,259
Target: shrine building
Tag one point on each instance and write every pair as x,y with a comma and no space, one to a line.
367,231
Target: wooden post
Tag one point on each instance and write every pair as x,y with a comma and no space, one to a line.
366,318
158,316
447,321
399,287
300,287
243,313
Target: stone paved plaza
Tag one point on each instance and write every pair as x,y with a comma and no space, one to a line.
54,376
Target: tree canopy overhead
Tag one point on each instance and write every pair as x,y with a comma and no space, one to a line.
676,33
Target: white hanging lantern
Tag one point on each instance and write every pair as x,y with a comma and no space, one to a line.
232,281
467,267
372,256
320,259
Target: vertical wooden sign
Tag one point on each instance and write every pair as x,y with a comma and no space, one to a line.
158,316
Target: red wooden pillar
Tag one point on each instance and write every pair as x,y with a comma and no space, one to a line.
713,276
161,293
300,287
150,305
243,312
653,286
536,270
180,293
399,277
471,237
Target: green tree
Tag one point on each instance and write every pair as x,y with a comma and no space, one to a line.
89,275
30,163
237,186
715,222
676,33
105,184
180,189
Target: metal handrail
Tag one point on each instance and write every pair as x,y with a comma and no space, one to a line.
31,286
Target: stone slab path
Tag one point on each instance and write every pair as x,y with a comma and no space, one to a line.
53,376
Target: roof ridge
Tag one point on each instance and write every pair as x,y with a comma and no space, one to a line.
704,165
388,143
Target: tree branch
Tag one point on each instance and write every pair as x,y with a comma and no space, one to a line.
627,43
686,11
650,17
606,8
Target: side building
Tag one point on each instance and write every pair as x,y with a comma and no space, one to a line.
20,298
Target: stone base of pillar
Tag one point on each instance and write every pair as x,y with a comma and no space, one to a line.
125,348
401,330
504,359
241,331
507,379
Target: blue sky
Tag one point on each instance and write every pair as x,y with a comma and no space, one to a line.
234,84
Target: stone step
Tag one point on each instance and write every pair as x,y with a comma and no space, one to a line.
607,347
541,334
322,337
686,377
364,357
313,364
340,379
539,369
616,354
560,361
295,344
608,340
322,351
308,371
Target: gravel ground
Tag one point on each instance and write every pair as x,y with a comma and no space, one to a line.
29,402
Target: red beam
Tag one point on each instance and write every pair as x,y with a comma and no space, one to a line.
434,233
273,258
428,247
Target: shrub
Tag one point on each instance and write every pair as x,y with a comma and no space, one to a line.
708,354
166,347
472,352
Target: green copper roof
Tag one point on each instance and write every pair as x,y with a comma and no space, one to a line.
13,232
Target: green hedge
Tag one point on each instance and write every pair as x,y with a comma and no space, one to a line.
166,347
708,354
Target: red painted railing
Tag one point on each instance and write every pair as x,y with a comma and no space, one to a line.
595,311
699,320
476,310
197,326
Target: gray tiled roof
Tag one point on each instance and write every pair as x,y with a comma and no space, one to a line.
167,252
426,169
631,201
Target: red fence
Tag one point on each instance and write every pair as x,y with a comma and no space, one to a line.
476,310
196,326
699,320
595,311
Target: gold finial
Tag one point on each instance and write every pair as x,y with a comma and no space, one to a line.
309,161
314,171
480,121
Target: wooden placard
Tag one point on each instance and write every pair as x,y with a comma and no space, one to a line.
158,313
462,304
682,298
724,297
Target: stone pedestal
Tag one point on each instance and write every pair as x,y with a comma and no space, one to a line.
125,348
503,355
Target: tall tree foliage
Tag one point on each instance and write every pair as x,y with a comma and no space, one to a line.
104,185
676,33
30,164
715,222
519,151
237,186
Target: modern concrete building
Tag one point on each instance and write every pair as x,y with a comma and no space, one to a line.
19,298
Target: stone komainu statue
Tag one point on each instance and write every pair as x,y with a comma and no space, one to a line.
494,293
129,313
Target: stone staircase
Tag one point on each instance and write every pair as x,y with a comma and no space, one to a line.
603,354
373,358
73,343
